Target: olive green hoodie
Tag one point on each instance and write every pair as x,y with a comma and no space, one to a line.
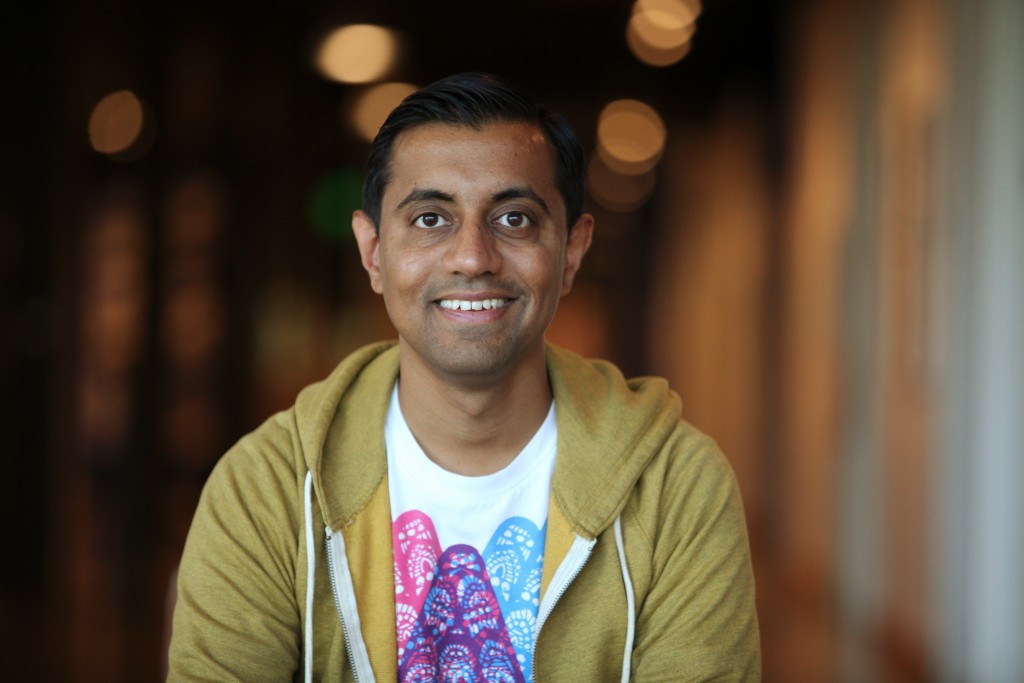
288,571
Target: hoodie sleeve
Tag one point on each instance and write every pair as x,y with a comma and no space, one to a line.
698,620
236,616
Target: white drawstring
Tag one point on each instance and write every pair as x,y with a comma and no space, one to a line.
310,576
627,656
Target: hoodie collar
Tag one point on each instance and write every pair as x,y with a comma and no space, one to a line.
609,428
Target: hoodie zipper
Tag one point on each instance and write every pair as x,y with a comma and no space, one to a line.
572,565
359,663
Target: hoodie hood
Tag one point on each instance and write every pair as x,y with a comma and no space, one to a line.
345,413
609,429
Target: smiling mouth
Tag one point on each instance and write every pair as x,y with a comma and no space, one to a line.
477,305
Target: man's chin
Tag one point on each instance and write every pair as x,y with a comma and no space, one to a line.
476,364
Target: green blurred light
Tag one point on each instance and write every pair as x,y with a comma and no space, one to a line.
331,203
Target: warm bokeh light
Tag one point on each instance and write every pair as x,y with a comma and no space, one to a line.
653,56
358,53
375,104
116,122
630,136
616,191
682,11
662,30
659,31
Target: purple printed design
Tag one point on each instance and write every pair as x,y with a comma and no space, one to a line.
460,634
459,612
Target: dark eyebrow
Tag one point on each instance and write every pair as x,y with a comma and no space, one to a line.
520,193
423,195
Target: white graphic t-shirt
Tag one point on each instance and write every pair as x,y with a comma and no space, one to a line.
468,556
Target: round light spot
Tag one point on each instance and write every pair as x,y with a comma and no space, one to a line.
358,53
659,31
375,104
631,136
116,122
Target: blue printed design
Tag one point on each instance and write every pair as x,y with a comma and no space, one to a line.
514,558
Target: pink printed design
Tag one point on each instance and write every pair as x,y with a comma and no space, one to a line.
416,550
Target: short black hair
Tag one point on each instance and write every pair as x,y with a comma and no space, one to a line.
474,100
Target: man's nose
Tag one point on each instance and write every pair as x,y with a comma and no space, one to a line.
473,250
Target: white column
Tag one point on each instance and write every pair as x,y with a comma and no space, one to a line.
980,538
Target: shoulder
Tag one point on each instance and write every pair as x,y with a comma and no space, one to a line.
291,442
688,497
267,456
253,496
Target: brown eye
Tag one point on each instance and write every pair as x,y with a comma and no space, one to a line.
514,219
429,220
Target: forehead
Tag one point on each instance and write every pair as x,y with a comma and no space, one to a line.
446,157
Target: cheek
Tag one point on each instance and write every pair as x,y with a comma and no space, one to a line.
406,284
398,269
544,272
410,272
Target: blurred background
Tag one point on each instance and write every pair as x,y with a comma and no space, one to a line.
810,217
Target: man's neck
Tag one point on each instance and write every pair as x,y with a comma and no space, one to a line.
474,428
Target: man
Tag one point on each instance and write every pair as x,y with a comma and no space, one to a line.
470,504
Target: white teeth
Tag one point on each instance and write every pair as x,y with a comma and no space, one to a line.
476,305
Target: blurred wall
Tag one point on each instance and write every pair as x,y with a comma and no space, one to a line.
977,616
852,337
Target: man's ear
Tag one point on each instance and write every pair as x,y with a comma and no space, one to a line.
578,244
369,246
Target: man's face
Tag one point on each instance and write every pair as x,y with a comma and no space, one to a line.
472,253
